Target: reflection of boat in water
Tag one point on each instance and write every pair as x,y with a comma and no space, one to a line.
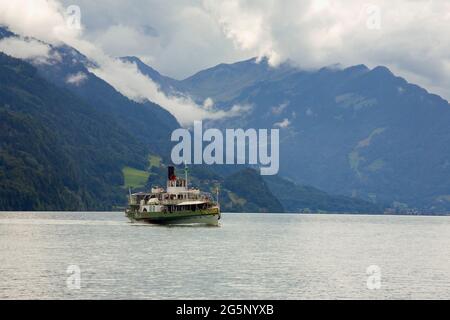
177,204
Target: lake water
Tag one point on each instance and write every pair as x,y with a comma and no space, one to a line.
251,256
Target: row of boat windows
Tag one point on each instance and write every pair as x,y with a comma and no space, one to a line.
196,207
181,196
177,183
171,209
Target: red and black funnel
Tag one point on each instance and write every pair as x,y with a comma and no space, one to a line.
171,173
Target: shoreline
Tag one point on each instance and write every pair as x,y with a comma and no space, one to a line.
262,213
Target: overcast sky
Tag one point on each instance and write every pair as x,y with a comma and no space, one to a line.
176,37
180,37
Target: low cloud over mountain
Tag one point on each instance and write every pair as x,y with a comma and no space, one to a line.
47,21
181,37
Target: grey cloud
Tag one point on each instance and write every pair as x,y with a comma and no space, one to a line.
176,37
180,37
45,19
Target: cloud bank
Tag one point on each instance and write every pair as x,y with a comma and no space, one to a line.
181,37
410,37
45,19
132,83
28,49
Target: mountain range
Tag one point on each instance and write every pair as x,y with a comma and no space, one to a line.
56,151
353,133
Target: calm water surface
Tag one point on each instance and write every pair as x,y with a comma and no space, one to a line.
248,257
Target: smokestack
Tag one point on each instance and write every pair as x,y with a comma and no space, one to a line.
170,172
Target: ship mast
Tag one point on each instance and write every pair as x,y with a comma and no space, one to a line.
217,195
186,174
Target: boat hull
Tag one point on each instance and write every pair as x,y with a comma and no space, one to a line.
207,217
